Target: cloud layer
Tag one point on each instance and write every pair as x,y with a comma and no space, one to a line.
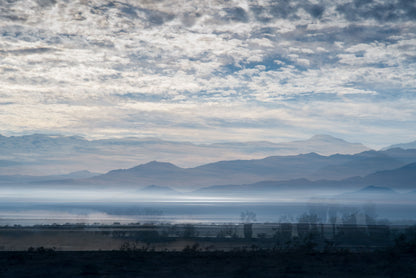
209,71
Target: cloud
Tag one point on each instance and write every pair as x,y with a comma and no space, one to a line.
28,51
382,11
236,14
315,10
46,3
160,67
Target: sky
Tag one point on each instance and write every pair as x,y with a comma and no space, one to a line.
210,71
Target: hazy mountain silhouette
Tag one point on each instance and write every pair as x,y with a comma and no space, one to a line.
379,183
321,144
308,170
151,173
310,166
371,192
365,163
404,177
52,179
40,154
410,145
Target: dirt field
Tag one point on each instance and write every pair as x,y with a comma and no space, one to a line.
206,237
208,251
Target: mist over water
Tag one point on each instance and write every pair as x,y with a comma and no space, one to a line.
28,207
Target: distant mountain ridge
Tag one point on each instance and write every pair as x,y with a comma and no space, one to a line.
27,179
394,168
41,154
410,145
403,178
310,166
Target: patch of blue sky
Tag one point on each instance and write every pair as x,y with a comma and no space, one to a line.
227,69
381,89
352,34
219,94
269,63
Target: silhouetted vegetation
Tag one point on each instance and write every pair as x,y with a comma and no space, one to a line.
302,261
308,234
303,249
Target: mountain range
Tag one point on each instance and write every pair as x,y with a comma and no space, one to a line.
405,146
276,168
403,178
395,168
40,154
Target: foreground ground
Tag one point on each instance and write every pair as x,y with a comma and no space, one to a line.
275,250
189,263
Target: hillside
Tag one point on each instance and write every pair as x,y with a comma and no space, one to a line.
40,154
276,168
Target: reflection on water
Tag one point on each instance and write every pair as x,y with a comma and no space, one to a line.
185,212
47,206
125,213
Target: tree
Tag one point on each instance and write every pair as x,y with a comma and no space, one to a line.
247,217
189,231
